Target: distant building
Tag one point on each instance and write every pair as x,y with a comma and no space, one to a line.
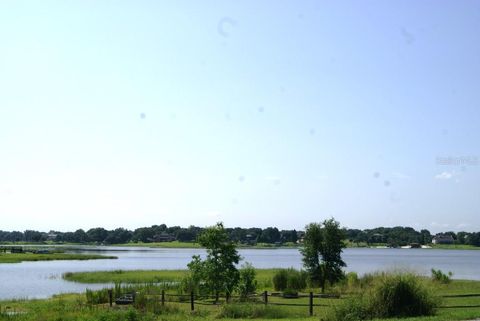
163,237
443,239
52,236
300,237
250,239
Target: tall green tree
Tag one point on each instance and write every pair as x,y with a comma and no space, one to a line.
218,272
322,249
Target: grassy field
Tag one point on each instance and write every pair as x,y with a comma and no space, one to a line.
74,307
454,247
460,300
22,257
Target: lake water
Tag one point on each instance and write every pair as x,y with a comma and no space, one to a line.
43,279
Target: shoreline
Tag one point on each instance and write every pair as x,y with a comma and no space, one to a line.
13,258
263,246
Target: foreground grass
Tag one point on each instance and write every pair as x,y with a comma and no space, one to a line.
22,257
74,307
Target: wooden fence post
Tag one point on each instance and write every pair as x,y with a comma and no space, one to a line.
265,297
192,304
163,297
227,297
311,304
110,297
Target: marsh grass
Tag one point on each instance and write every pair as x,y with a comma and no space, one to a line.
22,257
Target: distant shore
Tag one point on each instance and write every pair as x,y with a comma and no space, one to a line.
32,257
194,245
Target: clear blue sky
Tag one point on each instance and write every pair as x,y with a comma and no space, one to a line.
254,113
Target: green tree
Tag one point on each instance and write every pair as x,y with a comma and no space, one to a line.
218,272
323,245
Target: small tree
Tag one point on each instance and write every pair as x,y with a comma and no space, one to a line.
218,272
323,245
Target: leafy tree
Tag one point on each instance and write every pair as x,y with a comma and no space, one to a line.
80,236
323,245
289,236
118,236
33,236
143,234
462,237
269,235
426,237
218,272
98,234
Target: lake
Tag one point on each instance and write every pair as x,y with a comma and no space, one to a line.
43,279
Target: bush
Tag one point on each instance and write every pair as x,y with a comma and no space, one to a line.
439,276
352,280
247,284
402,295
280,280
391,295
290,279
97,297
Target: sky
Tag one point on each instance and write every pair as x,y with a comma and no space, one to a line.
253,113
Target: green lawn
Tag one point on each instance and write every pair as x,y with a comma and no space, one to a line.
454,247
74,307
22,257
177,244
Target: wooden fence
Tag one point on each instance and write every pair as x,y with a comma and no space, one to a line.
263,298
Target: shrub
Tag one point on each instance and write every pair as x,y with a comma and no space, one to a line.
247,284
352,280
439,276
402,295
290,279
391,295
280,280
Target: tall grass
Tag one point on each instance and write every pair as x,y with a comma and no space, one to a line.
289,279
253,311
390,295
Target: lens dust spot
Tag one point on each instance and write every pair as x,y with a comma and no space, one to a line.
225,26
312,131
407,36
376,175
386,183
241,179
143,116
260,109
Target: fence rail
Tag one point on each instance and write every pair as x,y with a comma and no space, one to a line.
263,298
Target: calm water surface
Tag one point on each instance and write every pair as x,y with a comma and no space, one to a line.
43,279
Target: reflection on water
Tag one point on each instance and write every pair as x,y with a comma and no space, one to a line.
43,279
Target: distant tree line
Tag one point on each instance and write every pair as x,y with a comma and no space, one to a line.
392,236
399,236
